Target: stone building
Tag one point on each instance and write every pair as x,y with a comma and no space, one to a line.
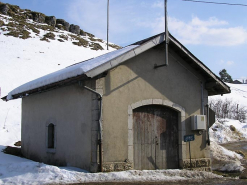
120,111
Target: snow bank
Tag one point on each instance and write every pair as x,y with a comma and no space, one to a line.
223,159
39,173
221,132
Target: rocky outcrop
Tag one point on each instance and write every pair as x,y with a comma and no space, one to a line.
50,20
83,33
4,8
38,17
65,25
74,29
11,10
28,14
20,27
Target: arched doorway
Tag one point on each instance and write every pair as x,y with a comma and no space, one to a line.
155,137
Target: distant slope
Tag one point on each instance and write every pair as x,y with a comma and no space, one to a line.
238,94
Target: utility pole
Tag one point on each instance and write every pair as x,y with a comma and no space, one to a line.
107,24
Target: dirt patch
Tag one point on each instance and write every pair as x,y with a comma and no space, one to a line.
18,143
13,151
241,148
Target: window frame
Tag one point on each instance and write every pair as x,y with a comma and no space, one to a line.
49,123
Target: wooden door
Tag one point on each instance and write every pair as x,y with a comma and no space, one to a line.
155,138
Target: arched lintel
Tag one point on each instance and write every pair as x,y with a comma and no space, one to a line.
181,125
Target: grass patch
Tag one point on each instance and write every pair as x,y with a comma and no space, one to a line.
81,41
44,39
4,29
60,26
1,23
89,34
115,46
45,27
65,37
33,29
94,40
25,34
95,46
13,33
48,36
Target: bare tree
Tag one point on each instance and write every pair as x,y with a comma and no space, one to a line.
228,109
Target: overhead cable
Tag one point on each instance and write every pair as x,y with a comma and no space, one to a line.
211,2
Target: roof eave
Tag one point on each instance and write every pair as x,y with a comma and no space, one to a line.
154,41
220,87
47,87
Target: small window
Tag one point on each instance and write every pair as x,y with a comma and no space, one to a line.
51,136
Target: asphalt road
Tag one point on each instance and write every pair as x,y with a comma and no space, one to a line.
223,181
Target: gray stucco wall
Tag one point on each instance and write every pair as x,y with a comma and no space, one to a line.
70,110
74,111
136,81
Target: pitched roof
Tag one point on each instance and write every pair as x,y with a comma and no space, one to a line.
96,66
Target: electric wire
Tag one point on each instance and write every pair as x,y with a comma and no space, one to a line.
211,2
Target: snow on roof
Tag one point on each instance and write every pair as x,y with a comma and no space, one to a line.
98,65
71,71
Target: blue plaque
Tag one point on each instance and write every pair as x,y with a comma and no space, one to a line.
189,138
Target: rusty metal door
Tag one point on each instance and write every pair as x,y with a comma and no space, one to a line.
155,138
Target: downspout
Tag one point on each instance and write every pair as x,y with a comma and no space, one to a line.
100,127
202,99
208,141
202,111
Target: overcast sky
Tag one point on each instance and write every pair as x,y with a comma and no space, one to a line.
215,34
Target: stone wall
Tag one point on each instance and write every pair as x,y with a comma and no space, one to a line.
203,164
117,166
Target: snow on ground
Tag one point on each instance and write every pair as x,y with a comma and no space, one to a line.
223,159
220,132
39,173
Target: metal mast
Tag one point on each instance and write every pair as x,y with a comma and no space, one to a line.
166,38
107,24
166,34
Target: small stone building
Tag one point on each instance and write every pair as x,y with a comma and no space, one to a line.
120,111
